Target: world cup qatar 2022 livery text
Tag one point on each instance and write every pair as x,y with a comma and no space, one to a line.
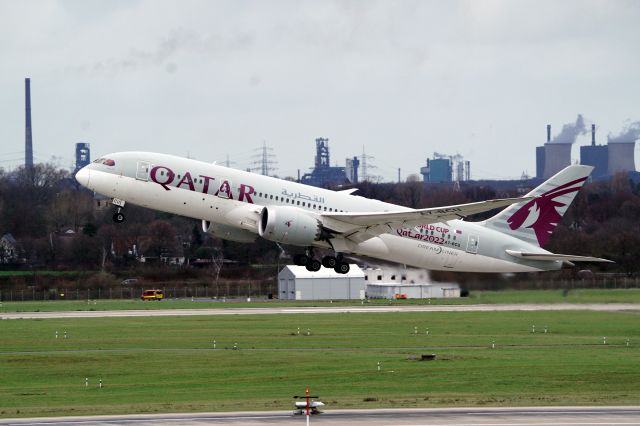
242,206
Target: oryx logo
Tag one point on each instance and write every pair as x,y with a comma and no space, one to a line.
541,213
288,223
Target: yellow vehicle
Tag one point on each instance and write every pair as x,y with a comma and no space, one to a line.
152,295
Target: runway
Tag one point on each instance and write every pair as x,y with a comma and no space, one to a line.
603,307
526,416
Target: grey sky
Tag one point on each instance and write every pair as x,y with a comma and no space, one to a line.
403,78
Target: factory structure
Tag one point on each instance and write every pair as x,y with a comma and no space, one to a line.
618,155
443,168
83,156
82,152
607,160
28,137
324,175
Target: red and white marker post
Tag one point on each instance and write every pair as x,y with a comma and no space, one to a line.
306,393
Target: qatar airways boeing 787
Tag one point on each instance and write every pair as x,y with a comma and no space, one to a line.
242,206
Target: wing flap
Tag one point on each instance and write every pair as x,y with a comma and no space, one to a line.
553,256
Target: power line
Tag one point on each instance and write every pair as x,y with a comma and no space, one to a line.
264,162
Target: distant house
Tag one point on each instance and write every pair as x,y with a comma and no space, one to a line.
9,249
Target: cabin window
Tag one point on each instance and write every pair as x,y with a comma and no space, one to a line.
271,197
276,198
314,206
298,202
393,277
325,208
303,204
379,277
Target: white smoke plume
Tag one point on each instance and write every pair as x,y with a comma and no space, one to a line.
571,131
629,134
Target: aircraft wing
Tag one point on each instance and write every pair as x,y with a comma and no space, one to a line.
553,256
359,227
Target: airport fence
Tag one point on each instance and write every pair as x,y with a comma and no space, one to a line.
601,282
241,289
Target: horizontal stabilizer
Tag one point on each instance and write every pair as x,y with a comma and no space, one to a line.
553,256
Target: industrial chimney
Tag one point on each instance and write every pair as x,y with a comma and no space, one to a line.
593,135
548,133
28,143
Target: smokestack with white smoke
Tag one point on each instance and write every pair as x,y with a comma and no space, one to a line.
630,134
571,131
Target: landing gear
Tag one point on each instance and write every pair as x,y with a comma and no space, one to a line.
342,268
329,262
312,264
118,216
300,259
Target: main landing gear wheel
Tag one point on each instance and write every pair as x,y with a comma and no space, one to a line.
329,262
342,268
118,217
300,259
313,265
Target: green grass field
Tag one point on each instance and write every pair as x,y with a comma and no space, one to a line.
166,364
478,297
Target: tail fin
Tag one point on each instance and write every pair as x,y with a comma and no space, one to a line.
534,221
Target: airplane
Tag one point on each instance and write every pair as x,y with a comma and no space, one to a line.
242,206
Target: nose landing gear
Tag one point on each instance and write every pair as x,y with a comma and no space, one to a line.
118,216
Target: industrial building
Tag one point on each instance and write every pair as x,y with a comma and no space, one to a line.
607,160
621,157
296,283
324,175
552,156
83,156
443,168
596,156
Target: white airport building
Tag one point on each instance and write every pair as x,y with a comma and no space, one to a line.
296,283
396,283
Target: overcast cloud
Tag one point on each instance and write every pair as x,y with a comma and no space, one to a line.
403,78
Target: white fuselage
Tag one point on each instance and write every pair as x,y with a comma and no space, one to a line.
197,189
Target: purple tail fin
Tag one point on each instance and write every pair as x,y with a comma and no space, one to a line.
534,221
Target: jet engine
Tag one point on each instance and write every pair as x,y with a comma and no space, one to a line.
289,225
227,232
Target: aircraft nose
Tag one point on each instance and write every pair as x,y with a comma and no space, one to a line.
83,176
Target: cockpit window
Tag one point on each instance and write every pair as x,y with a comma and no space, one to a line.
105,161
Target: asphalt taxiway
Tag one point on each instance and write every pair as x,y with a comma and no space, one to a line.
525,416
602,307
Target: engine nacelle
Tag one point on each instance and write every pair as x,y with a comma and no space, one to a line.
289,225
227,232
